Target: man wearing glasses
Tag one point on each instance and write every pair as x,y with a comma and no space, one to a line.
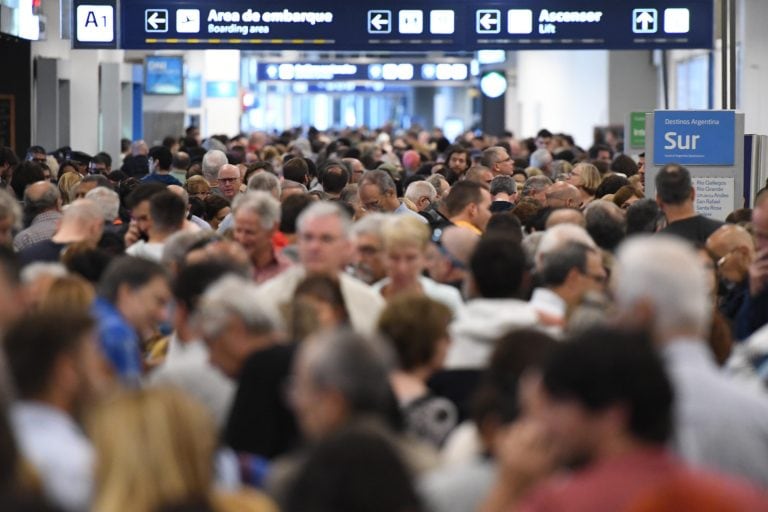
229,181
497,159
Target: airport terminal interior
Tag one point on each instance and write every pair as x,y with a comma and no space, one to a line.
411,256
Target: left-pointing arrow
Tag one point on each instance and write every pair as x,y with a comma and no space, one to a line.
154,20
379,21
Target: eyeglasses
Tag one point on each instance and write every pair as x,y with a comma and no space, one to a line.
228,180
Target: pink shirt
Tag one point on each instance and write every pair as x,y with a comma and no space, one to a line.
623,483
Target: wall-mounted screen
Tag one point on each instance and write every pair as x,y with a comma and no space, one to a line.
164,75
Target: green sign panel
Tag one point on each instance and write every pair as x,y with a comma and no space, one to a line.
637,130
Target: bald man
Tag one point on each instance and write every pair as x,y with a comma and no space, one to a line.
733,249
449,256
566,216
563,195
42,214
82,222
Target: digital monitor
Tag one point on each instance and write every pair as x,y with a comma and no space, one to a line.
164,75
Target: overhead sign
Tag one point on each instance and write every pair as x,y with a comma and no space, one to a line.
94,24
694,137
425,25
379,71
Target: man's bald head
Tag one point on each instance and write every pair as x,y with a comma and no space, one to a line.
566,216
460,243
563,195
40,197
728,238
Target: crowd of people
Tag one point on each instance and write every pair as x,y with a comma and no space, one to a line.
376,321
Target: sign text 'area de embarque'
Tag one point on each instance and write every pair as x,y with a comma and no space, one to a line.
426,25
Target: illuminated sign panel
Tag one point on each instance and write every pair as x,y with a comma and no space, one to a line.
426,25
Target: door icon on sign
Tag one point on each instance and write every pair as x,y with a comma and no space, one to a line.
188,21
645,21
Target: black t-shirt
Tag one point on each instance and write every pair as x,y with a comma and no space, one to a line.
260,421
694,229
46,251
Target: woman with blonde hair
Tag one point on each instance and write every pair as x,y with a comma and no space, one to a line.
406,240
155,448
68,182
68,293
586,178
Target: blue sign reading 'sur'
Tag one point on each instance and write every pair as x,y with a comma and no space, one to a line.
694,137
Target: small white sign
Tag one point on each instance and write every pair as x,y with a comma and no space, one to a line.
677,21
411,21
95,23
520,21
441,22
715,196
188,21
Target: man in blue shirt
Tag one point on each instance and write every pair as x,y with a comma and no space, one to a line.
133,300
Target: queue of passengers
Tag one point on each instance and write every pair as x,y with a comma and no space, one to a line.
376,321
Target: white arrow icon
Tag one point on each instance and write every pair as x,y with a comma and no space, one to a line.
645,20
378,21
488,21
153,20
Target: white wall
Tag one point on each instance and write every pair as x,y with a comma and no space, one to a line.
563,91
221,115
753,79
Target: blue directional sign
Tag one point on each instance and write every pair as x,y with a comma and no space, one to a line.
694,137
416,25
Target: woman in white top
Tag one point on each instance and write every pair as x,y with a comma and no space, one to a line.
406,240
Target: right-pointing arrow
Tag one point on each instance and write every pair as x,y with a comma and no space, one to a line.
379,21
488,21
645,20
154,21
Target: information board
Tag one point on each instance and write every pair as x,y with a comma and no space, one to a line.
378,71
694,137
424,26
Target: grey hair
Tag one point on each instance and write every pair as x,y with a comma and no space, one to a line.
47,199
108,200
260,203
419,189
324,209
234,296
667,272
541,158
10,207
34,271
290,185
381,179
355,366
371,224
490,156
436,181
535,184
179,244
503,184
82,210
213,160
557,237
265,181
